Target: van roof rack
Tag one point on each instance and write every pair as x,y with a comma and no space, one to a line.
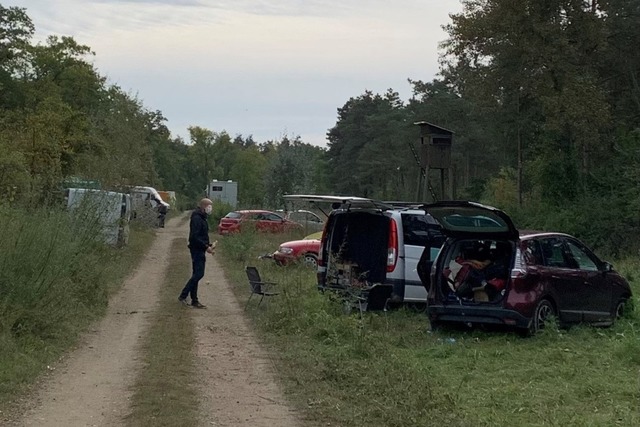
401,204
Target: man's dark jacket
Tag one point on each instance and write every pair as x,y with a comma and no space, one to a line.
199,231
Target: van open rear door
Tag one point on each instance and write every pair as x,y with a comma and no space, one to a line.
337,202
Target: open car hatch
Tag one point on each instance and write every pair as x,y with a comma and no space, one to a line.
343,201
474,220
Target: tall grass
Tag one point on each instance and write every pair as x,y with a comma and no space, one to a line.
55,277
389,370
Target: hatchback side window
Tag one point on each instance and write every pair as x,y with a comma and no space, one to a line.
584,261
554,255
532,252
272,217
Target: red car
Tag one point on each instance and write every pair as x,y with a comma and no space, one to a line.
305,250
261,220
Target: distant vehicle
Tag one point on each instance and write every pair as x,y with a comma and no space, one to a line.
111,210
148,206
489,272
309,220
260,220
146,196
305,250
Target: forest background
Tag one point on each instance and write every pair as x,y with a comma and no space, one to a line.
543,97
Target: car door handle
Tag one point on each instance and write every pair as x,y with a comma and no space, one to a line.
555,277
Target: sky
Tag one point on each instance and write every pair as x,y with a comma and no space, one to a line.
265,68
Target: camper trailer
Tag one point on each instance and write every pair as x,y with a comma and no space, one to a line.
224,191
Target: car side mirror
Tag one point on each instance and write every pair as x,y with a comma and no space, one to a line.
607,267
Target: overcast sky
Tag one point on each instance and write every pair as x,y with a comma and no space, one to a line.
253,67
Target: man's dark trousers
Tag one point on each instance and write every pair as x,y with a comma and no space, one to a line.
198,259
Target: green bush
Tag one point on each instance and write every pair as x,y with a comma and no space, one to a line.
219,211
55,276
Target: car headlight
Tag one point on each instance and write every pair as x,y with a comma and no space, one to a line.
285,250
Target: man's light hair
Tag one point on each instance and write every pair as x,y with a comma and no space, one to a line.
205,202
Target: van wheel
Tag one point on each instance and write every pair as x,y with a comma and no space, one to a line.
543,312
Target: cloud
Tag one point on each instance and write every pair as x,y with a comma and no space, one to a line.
253,66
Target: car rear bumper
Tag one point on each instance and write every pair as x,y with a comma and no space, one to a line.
476,314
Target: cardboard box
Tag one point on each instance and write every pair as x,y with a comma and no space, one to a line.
480,296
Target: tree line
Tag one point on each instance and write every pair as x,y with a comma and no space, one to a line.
60,118
543,97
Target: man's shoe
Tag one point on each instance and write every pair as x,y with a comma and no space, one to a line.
196,304
183,301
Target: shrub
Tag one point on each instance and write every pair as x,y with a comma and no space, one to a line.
55,276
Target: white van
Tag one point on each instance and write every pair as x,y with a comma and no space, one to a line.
375,244
148,206
111,210
146,196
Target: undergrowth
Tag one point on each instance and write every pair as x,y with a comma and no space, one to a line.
55,278
389,370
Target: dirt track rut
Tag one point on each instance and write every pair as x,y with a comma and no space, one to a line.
92,385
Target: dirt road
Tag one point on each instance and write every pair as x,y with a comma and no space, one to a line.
92,385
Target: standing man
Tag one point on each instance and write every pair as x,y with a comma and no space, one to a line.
199,246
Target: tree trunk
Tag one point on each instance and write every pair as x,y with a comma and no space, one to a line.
519,166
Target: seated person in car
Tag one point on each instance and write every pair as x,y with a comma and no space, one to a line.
467,271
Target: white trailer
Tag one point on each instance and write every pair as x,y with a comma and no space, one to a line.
224,191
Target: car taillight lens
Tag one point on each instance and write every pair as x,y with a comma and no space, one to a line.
519,269
392,249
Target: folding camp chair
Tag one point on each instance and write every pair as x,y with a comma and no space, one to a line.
258,286
379,297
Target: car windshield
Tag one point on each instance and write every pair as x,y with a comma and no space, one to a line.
233,215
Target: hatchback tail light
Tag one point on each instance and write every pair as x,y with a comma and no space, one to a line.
518,269
392,250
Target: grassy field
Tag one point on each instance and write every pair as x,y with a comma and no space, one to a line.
54,281
163,394
389,370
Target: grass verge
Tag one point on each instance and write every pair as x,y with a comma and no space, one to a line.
388,370
55,280
164,392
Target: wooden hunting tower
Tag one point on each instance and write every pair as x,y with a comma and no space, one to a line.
435,153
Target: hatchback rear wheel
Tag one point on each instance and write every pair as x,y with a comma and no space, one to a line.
543,313
619,309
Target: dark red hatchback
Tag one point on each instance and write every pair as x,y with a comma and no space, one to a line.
488,272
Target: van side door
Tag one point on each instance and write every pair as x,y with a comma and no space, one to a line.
419,236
